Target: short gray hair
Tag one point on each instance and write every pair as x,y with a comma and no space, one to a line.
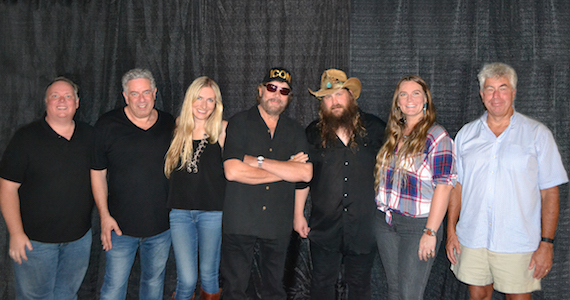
497,70
135,74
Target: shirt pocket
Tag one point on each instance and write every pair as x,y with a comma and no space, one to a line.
518,158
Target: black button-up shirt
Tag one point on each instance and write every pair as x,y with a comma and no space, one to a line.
262,210
342,189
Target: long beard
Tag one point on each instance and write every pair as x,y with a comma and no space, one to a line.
349,120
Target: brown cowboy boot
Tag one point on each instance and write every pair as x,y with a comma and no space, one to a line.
206,296
173,293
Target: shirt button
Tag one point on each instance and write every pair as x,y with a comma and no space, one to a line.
345,179
346,163
267,188
345,209
264,207
345,195
270,149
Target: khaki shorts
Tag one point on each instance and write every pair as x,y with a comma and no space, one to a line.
508,272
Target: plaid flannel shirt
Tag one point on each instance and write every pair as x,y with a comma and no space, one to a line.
409,193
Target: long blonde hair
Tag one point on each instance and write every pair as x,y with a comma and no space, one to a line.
181,149
413,144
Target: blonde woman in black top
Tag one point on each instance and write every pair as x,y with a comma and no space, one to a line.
197,184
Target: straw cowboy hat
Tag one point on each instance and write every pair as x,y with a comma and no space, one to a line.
332,80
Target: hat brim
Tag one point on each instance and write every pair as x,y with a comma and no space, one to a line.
352,84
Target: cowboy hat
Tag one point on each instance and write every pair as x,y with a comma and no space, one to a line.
332,80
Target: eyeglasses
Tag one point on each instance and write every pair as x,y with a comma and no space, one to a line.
273,88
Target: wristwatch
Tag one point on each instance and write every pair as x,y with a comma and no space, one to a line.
260,160
429,231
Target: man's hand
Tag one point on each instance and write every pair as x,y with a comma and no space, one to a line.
452,247
300,157
300,225
541,260
108,224
18,244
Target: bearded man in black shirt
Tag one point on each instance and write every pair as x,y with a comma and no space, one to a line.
343,147
264,156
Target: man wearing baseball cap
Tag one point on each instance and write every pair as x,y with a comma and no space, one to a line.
265,155
343,146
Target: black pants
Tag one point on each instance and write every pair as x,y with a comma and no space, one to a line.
326,266
237,260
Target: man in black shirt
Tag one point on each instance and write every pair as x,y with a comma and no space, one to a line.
344,143
130,188
264,156
45,196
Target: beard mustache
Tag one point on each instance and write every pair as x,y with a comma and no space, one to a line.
348,120
273,110
345,120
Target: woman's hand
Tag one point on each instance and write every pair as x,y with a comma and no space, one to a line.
427,247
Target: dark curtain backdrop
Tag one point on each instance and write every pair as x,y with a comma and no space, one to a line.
234,42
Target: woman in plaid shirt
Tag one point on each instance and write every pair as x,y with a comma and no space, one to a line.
415,172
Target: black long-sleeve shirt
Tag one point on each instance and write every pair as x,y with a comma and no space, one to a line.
342,188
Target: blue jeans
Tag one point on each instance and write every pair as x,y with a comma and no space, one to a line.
193,232
398,246
53,271
153,254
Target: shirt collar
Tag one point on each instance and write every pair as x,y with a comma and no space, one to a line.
513,120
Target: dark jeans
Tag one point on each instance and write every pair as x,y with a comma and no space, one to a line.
326,266
237,260
398,246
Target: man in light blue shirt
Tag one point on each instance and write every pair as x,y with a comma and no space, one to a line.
509,170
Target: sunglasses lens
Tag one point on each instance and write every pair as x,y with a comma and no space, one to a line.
272,88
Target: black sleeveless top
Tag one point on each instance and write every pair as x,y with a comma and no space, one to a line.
204,190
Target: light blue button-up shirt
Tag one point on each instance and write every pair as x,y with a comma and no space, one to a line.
501,180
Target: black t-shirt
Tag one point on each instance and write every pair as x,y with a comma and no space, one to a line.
55,192
134,159
203,190
342,189
262,210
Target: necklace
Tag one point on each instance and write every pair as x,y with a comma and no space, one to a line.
193,165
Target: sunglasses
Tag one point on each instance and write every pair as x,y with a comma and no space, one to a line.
273,88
